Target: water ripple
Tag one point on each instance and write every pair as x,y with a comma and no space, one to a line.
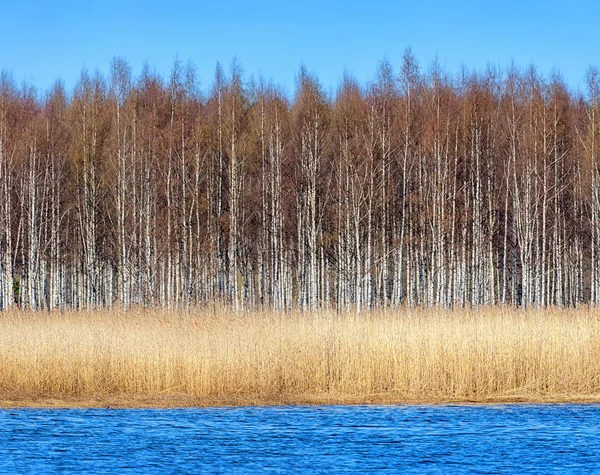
338,439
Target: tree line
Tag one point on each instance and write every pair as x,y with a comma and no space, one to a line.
419,188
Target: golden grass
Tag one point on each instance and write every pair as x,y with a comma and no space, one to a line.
141,358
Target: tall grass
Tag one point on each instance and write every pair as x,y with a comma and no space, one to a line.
204,358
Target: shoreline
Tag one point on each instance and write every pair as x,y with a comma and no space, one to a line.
149,401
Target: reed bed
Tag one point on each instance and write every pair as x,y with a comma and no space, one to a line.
215,358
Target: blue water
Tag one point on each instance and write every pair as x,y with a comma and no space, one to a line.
442,439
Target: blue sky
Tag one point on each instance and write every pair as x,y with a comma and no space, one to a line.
43,41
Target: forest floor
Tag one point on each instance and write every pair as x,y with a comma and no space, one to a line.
144,358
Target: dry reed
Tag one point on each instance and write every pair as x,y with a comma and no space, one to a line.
200,358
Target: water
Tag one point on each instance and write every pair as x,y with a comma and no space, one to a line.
443,439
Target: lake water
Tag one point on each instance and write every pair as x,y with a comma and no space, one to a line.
439,439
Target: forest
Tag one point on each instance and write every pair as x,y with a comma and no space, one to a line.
418,189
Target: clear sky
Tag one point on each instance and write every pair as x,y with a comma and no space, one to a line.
41,41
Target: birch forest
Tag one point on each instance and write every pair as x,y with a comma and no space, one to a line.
420,188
